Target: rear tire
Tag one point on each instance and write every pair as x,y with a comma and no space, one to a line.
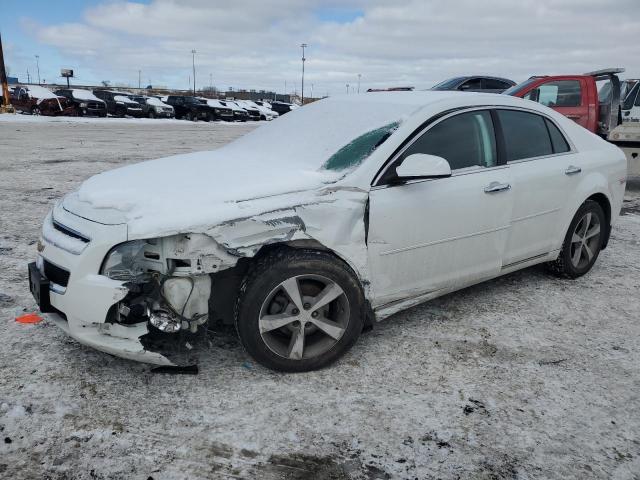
151,114
299,310
582,242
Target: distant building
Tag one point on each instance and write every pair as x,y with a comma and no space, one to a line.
12,80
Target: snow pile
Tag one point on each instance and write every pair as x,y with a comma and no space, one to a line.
283,157
84,95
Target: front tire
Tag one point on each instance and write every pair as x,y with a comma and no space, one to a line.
299,310
582,243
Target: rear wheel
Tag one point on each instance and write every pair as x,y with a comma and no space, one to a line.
152,114
299,310
188,116
582,243
35,110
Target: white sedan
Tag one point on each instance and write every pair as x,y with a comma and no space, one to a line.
307,229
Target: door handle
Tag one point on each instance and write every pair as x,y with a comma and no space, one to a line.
495,187
572,170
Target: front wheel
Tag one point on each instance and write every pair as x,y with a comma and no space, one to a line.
35,111
582,243
299,310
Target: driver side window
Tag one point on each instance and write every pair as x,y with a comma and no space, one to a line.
465,140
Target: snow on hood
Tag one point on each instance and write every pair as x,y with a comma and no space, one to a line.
84,95
284,158
123,99
157,103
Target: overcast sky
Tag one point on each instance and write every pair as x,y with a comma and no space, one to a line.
255,44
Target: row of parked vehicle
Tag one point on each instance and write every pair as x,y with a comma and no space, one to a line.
38,100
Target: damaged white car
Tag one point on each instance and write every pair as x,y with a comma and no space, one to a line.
339,214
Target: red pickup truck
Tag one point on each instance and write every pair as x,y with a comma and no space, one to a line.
597,110
577,97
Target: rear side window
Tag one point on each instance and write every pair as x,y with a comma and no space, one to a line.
465,140
525,135
494,84
559,93
558,141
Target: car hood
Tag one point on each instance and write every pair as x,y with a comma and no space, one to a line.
192,193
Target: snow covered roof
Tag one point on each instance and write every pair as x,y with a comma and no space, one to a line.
39,92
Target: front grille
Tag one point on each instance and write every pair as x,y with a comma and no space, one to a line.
55,274
70,233
94,105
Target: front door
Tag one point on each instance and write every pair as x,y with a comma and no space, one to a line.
429,235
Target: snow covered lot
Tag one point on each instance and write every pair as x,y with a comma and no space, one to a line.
527,376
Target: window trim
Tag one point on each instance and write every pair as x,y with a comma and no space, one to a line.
377,183
426,126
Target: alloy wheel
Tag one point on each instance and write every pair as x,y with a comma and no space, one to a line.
585,240
304,317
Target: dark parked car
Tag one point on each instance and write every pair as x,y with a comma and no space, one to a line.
282,107
190,108
119,104
476,84
84,102
239,113
153,107
220,111
38,100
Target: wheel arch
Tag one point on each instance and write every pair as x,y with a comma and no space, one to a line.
602,200
226,283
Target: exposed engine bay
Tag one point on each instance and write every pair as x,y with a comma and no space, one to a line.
169,285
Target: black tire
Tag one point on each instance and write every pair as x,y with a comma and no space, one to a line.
35,110
188,116
152,114
265,277
563,266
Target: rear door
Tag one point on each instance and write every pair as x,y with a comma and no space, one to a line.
566,96
544,170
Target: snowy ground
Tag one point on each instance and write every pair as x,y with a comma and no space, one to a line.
523,377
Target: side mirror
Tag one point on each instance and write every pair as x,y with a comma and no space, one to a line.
421,165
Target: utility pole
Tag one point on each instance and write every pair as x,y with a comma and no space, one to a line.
359,75
347,89
38,67
193,60
28,76
139,82
210,82
6,100
303,46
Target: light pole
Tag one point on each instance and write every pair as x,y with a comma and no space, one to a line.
139,81
359,75
193,60
347,89
38,67
303,46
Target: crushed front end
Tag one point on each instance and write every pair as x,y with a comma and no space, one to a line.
144,300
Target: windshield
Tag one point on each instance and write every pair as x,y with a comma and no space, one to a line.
334,134
520,87
448,84
356,151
